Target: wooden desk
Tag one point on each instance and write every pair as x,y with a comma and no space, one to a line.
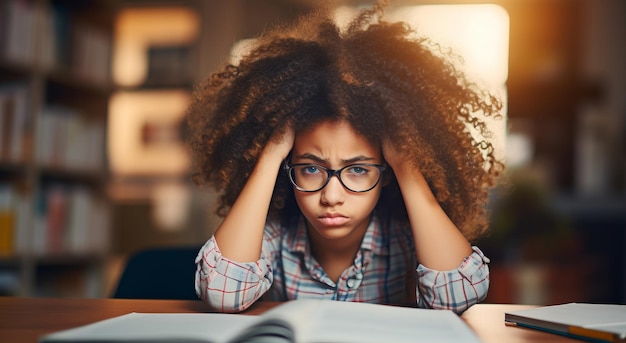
26,319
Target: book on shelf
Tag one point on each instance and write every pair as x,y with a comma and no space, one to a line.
68,140
14,214
70,219
18,30
7,219
169,66
293,321
46,34
91,54
15,120
4,29
585,321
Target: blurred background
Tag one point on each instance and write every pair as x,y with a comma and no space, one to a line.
93,166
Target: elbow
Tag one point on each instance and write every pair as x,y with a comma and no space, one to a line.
454,291
217,298
218,303
226,299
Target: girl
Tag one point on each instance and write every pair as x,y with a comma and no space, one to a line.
346,170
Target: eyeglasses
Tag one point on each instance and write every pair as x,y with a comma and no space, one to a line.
358,178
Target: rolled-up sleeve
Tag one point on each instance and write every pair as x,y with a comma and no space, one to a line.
456,289
229,286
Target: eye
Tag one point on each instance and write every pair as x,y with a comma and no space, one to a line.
312,169
357,170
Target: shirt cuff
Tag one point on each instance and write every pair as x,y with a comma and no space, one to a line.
239,271
468,268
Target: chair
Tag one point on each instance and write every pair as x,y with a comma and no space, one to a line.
159,273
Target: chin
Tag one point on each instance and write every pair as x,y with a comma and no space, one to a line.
332,233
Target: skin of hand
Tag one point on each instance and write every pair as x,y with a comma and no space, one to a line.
280,143
240,235
438,242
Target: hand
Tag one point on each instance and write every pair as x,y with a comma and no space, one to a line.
393,157
399,163
281,143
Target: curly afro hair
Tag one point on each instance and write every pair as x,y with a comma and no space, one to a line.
379,76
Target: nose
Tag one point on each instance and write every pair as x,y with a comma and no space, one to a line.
334,192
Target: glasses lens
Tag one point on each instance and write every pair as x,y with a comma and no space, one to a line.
309,177
360,177
357,177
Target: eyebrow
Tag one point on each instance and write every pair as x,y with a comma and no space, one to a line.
320,160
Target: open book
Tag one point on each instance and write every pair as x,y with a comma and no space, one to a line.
294,321
591,322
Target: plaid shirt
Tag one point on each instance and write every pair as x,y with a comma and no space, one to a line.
385,271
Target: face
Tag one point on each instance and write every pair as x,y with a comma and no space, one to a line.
335,213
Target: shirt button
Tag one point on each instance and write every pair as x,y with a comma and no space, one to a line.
351,283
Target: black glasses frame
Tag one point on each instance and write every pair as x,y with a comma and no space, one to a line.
333,172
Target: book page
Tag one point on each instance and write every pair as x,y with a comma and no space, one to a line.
158,327
319,321
280,323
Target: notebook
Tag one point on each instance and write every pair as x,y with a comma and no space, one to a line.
584,321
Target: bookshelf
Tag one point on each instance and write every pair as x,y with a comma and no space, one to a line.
54,91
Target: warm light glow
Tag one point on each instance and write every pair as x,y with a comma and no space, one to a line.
477,33
129,113
138,28
519,149
239,49
170,205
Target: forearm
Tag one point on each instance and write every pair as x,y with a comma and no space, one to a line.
240,235
229,286
438,242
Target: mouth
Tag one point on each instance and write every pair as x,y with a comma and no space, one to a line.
333,219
